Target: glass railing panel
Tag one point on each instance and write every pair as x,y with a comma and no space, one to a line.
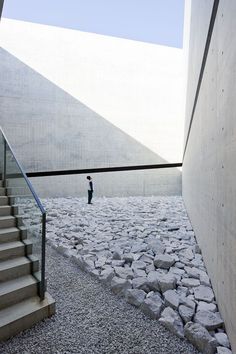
27,209
1,155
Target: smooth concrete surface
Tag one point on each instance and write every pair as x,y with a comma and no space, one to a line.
209,184
71,100
136,86
1,7
24,315
186,43
195,35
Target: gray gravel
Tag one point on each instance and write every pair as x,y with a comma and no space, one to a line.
91,320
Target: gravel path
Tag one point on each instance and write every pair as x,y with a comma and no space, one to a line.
91,320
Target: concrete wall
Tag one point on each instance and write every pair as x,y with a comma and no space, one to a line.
71,100
1,7
196,34
114,184
209,184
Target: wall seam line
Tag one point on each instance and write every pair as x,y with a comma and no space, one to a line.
204,59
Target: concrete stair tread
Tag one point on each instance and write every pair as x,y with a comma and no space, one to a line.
15,284
9,245
5,210
3,197
14,262
11,233
8,221
7,217
3,200
8,230
24,308
19,196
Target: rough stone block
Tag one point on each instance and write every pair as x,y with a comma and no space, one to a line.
152,306
119,285
210,320
200,338
163,261
135,296
172,321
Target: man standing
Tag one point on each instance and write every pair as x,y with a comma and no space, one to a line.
90,189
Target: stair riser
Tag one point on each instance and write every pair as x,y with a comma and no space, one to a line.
18,295
4,200
11,191
2,191
7,223
15,252
5,211
10,237
18,271
15,190
26,321
9,210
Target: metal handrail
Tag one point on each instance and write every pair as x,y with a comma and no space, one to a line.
102,170
24,174
39,204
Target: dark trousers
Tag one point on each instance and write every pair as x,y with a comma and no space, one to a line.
90,196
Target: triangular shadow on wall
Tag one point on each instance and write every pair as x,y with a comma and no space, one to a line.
52,130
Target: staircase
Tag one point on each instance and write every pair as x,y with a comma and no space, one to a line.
20,303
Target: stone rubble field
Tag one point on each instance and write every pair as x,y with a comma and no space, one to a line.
144,248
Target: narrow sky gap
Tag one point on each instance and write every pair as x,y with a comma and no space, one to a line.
154,21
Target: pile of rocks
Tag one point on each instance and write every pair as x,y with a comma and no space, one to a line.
146,251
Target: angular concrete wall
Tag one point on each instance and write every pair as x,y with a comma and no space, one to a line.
1,7
72,100
196,34
209,184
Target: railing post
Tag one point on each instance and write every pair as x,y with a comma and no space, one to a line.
4,163
42,283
